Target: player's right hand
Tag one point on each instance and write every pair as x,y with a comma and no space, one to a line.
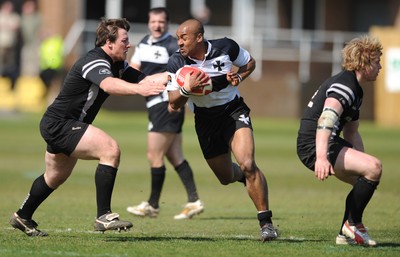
150,87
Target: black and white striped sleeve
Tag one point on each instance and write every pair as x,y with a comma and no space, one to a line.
96,70
344,94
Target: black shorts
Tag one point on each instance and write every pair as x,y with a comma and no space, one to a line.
215,126
307,154
62,136
161,120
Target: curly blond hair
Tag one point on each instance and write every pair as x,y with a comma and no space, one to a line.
360,52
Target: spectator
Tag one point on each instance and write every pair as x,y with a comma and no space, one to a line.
51,60
30,27
10,22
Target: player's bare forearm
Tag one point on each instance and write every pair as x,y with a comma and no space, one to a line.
322,165
247,69
176,100
160,78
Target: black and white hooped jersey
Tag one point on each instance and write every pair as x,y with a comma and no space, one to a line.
345,88
153,56
222,55
81,97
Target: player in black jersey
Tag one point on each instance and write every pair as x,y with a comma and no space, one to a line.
222,119
66,125
164,136
333,109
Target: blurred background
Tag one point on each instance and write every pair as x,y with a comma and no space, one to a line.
296,44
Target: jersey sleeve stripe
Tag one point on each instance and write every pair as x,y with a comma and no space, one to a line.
107,64
90,66
342,90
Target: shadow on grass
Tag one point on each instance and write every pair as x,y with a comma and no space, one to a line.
304,240
159,239
388,245
217,239
205,239
227,218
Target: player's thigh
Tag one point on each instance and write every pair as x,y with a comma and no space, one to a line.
222,167
174,152
95,144
242,146
351,164
159,141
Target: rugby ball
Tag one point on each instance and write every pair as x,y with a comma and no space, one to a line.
180,79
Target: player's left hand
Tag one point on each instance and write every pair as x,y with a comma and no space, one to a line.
233,78
196,80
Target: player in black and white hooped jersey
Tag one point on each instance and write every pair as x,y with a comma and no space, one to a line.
67,126
164,137
222,120
334,110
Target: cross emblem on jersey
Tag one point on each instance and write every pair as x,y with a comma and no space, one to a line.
244,119
218,65
157,54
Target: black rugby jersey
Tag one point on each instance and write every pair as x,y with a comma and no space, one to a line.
81,97
153,57
222,54
345,88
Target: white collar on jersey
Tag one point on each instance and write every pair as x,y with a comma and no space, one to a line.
153,40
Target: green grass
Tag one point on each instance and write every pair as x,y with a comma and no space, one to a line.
308,212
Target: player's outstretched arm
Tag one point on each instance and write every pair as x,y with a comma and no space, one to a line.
119,87
161,78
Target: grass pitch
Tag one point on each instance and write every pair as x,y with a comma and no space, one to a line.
307,212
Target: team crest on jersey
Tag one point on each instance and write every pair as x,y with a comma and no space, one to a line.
245,119
104,71
218,65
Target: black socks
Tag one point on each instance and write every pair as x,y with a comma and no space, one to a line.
357,200
157,182
104,179
349,202
186,174
363,190
39,192
264,217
